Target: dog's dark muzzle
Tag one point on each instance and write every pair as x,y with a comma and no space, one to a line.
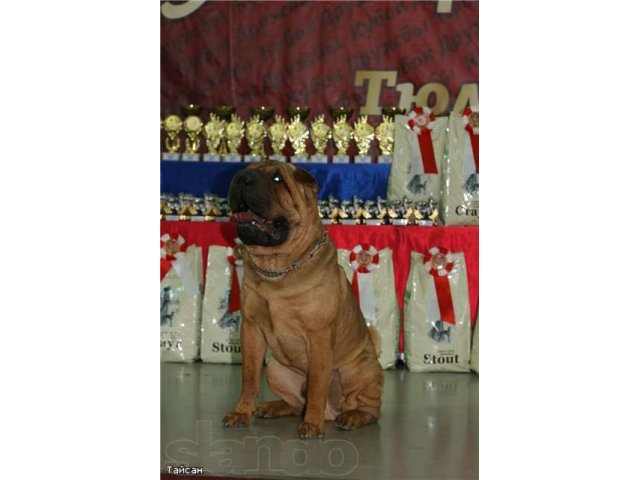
250,199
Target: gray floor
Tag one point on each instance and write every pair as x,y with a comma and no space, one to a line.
429,430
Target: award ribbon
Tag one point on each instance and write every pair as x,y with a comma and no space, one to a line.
364,260
172,255
421,121
439,261
470,119
169,246
236,279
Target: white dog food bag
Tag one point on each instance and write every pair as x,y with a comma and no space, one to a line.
475,347
221,318
418,152
437,323
180,299
370,273
461,176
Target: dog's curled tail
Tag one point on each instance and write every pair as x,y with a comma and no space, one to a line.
375,338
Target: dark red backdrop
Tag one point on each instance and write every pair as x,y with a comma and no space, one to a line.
308,53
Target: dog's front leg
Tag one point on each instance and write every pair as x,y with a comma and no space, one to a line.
254,347
318,380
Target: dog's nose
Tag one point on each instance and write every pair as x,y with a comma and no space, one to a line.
244,178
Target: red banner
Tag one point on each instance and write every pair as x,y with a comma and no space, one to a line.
359,54
402,240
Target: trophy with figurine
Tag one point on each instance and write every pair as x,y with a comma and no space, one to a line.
233,134
214,135
342,133
277,133
385,133
298,133
320,136
172,126
257,132
363,133
192,125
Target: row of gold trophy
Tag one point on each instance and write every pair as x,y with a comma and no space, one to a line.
224,131
352,211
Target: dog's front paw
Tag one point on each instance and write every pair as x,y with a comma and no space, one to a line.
310,430
236,419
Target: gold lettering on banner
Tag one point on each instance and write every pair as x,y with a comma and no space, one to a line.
444,6
374,79
438,90
468,95
406,95
433,94
173,11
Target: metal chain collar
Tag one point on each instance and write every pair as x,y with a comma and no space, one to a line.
295,265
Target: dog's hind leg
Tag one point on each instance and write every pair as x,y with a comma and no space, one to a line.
289,386
362,381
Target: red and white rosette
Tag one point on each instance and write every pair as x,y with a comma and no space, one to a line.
364,260
234,259
439,262
470,120
172,255
169,248
421,122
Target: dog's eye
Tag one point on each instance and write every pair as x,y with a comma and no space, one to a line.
277,178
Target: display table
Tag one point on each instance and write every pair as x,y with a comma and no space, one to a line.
342,181
402,240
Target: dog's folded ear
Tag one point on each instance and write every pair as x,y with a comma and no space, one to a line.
306,179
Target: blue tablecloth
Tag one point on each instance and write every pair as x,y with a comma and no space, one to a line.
340,180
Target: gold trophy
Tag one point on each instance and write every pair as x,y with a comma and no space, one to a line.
361,216
393,217
320,136
193,128
211,209
214,138
165,209
224,112
257,132
210,213
172,125
298,133
385,133
383,216
277,133
342,133
411,216
233,133
187,210
363,133
434,217
337,215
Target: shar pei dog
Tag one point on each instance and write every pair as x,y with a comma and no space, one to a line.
297,300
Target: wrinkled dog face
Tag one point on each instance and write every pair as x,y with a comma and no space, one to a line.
268,199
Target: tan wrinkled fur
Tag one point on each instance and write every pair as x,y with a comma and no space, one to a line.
324,362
